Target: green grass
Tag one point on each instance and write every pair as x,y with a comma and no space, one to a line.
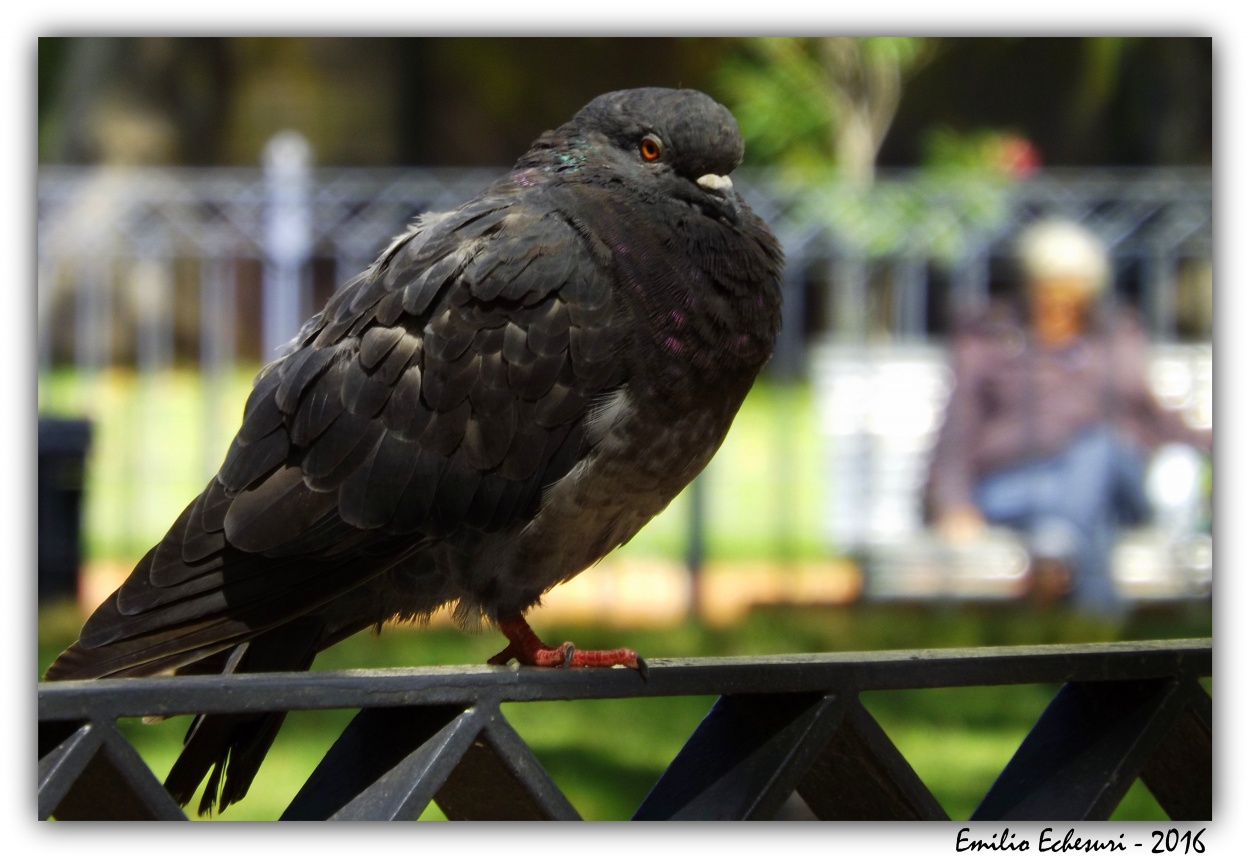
157,440
147,458
605,755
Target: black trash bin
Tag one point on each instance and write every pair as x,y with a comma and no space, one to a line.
63,445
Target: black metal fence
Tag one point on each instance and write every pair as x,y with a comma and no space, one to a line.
785,731
145,265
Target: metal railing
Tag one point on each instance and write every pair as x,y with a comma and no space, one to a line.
782,727
128,256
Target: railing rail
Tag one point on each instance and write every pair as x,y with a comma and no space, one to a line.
783,725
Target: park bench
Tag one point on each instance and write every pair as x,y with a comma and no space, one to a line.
880,407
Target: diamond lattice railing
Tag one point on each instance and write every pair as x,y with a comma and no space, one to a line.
783,727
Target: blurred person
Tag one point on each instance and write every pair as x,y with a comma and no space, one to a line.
1051,421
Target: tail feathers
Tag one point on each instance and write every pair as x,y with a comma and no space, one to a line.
229,748
221,745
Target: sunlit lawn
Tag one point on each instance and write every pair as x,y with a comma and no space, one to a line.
157,440
605,755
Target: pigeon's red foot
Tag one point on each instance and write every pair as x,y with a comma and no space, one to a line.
529,650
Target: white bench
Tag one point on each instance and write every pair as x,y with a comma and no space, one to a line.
880,408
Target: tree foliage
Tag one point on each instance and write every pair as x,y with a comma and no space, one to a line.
819,109
816,102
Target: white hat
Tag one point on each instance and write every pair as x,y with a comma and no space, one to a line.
1064,249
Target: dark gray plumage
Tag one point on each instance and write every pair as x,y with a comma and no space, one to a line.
507,394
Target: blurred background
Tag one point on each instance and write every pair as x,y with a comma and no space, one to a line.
199,197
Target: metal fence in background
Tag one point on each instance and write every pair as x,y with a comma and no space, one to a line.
211,269
128,257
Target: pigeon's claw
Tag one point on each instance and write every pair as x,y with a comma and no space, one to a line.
528,650
555,658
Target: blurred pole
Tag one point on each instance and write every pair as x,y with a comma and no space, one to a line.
787,361
970,286
217,354
910,294
786,501
850,298
93,344
150,281
43,322
288,239
696,546
1161,294
786,371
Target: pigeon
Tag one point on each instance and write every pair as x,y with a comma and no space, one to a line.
509,392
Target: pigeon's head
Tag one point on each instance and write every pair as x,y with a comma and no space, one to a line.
679,142
685,129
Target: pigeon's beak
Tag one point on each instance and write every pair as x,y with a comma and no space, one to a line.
714,182
721,187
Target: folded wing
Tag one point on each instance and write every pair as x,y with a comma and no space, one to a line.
442,389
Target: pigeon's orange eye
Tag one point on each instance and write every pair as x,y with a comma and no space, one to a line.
650,148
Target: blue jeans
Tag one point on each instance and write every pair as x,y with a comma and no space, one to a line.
1071,506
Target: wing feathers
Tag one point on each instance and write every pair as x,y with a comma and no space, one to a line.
369,496
303,367
261,415
275,512
247,463
406,414
445,387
